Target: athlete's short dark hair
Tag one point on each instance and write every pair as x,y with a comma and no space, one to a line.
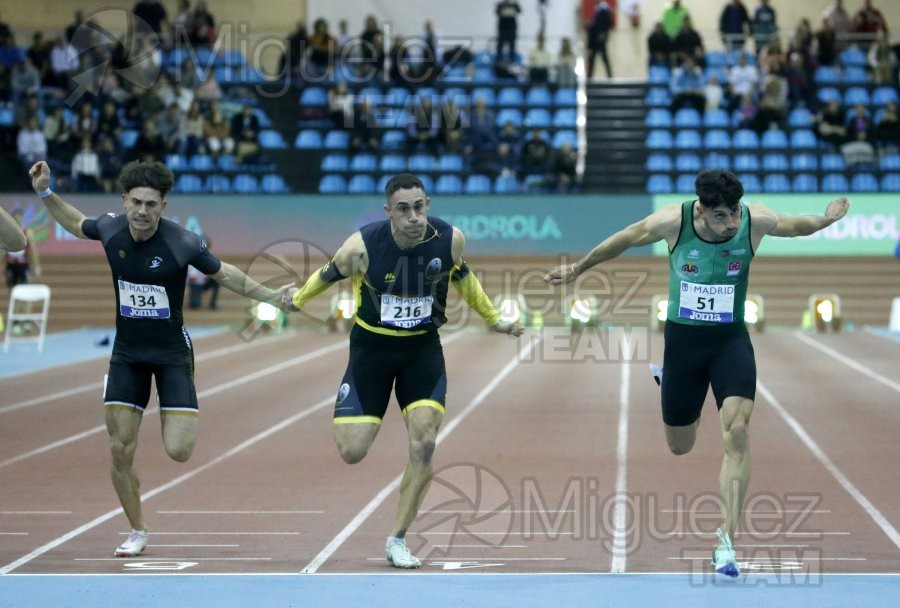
717,187
402,181
146,174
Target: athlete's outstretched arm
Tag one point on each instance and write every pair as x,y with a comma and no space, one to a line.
469,288
65,214
655,227
776,224
11,236
350,258
233,278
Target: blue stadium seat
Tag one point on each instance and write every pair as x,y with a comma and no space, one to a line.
835,182
272,183
392,163
177,162
244,183
832,162
745,139
188,183
826,94
333,184
751,183
853,56
659,162
510,97
805,182
659,183
688,139
398,96
270,139
826,75
883,95
864,182
427,184
716,119
800,118
658,75
8,117
218,184
336,140
687,162
226,74
537,118
127,138
202,162
685,183
890,162
477,184
717,139
717,59
565,136
658,97
421,163
457,95
890,182
659,140
335,162
233,58
313,96
485,93
658,118
507,184
308,139
565,118
855,95
774,139
484,76
363,163
804,162
687,118
393,139
803,139
855,75
228,163
450,163
538,97
361,184
717,160
448,184
776,182
746,162
775,162
566,98
513,115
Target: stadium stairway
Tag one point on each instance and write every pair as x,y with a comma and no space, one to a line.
616,155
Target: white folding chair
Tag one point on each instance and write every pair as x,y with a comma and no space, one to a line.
27,296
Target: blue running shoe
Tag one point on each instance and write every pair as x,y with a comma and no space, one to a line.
723,558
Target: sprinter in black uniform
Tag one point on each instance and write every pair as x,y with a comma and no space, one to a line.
149,257
401,268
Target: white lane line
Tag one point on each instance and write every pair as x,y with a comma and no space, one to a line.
495,547
35,512
482,513
620,511
14,533
240,512
205,533
221,352
171,484
172,559
201,395
155,545
493,558
842,479
766,512
865,371
389,489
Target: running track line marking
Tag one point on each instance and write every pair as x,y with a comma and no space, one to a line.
842,479
182,478
221,352
240,512
166,486
620,512
202,394
848,361
379,498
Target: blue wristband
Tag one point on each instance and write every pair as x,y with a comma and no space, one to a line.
45,193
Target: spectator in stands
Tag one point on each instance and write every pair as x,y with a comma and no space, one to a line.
772,109
148,145
826,44
598,36
839,21
536,155
687,86
190,131
539,63
202,30
340,106
859,151
84,124
765,23
86,168
217,133
507,28
56,133
110,164
452,122
869,23
510,136
496,163
859,122
743,79
151,18
31,145
5,31
802,41
771,58
746,112
886,132
399,72
564,168
28,110
801,90
659,46
198,283
182,23
481,135
830,124
883,61
565,66
39,55
688,43
322,49
673,16
25,80
429,58
77,21
149,103
10,54
371,28
108,123
178,94
295,47
734,25
423,129
63,61
208,91
373,58
245,131
342,38
5,84
713,93
365,127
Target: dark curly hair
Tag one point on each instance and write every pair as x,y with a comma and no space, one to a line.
146,174
717,187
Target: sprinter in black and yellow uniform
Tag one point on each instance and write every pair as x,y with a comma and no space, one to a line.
401,269
711,242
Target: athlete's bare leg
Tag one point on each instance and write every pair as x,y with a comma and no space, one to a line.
735,473
179,433
354,439
681,438
422,423
123,425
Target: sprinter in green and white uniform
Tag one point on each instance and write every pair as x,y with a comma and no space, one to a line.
711,243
